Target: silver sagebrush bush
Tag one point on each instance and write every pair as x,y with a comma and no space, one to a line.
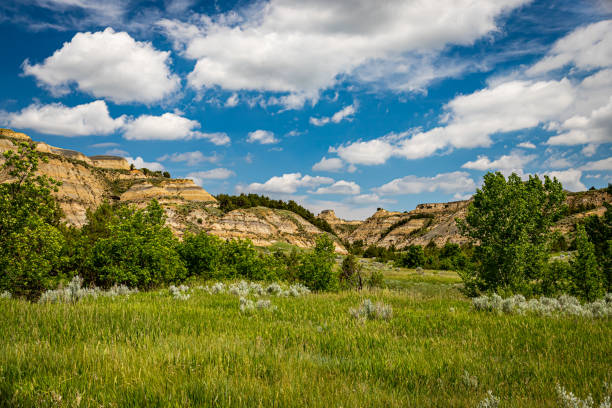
74,292
371,311
545,306
567,399
5,295
179,293
490,401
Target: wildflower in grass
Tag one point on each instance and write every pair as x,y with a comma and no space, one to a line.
371,311
490,401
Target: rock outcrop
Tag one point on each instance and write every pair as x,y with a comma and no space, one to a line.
110,162
86,182
342,228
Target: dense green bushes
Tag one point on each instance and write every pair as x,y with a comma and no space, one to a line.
30,241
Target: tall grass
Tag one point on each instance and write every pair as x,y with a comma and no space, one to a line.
149,349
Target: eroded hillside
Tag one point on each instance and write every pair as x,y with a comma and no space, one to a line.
86,182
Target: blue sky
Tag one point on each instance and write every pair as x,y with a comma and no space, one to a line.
350,105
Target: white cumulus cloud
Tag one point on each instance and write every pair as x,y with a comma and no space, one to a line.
455,182
586,48
262,137
325,164
169,126
345,113
507,164
301,47
288,183
220,173
57,119
108,64
340,187
191,158
139,163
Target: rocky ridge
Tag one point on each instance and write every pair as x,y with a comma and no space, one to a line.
89,181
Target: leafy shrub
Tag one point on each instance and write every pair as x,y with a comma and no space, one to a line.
350,274
316,268
240,259
371,311
376,279
30,242
588,281
140,251
201,254
413,256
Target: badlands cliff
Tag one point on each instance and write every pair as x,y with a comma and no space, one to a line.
89,181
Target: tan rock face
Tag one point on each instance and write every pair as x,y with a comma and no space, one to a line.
182,189
110,162
87,182
342,228
14,135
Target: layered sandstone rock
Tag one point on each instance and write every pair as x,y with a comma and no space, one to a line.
342,228
180,189
110,162
15,135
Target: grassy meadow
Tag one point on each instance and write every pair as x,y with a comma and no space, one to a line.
150,349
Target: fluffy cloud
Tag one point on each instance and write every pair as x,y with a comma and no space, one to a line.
262,137
470,121
369,199
220,173
139,163
569,178
109,65
586,48
345,113
169,126
455,182
579,111
302,47
288,183
526,145
56,119
592,129
507,164
372,152
340,187
191,158
325,164
599,165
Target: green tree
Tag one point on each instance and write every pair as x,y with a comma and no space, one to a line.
201,254
30,242
599,232
350,275
316,269
511,220
587,279
140,251
413,256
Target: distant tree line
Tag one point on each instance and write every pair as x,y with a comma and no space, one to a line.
233,202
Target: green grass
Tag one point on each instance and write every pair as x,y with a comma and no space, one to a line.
152,350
